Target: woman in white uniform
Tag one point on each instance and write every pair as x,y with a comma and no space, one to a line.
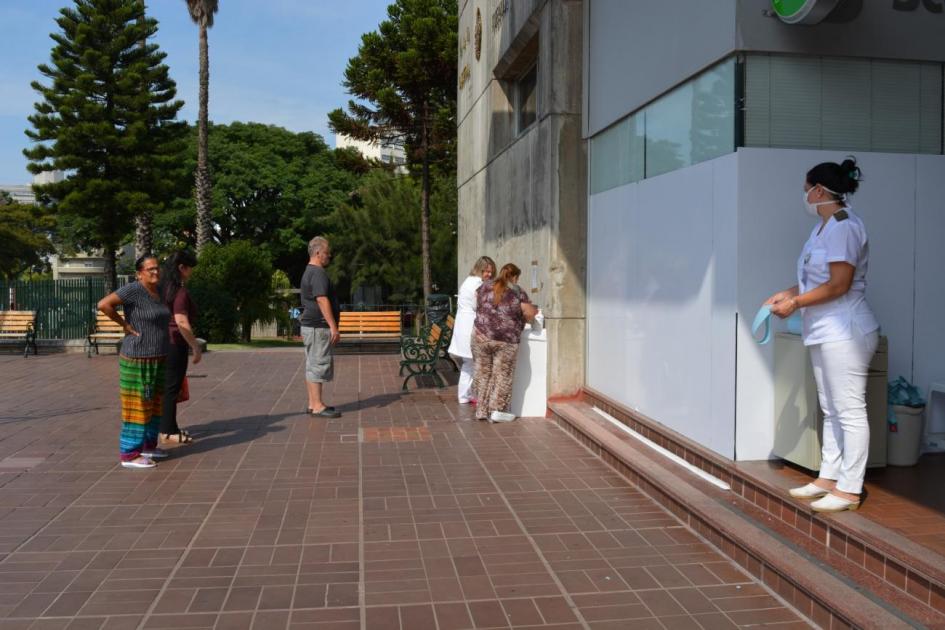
460,346
839,328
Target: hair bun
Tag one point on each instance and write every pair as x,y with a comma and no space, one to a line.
850,169
851,172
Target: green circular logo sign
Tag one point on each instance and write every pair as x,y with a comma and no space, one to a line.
803,11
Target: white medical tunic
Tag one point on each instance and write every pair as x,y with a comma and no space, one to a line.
843,239
460,345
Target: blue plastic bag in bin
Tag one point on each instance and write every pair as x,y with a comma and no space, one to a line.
902,392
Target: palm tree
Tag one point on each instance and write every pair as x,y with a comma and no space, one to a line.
201,12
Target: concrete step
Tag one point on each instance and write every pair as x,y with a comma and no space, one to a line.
825,589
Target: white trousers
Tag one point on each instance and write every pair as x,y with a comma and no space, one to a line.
464,387
840,369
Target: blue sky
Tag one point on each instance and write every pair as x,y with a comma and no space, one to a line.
278,62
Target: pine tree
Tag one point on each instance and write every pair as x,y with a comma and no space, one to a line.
405,77
107,119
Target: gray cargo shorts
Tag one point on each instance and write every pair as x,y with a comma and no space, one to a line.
319,359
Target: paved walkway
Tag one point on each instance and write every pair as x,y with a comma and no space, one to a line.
404,514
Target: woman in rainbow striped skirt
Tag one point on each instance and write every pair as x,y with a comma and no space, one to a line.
141,362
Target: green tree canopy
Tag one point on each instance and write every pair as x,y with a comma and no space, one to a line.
107,118
272,188
375,240
233,287
404,76
25,234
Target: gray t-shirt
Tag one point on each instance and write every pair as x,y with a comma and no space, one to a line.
316,283
147,315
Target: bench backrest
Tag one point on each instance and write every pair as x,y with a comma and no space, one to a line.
17,321
370,322
435,336
105,325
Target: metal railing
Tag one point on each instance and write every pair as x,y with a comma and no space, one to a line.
64,308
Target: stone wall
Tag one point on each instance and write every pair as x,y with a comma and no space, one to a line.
522,198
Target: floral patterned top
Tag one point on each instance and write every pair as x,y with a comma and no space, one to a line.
503,321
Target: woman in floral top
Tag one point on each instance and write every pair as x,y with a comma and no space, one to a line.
501,313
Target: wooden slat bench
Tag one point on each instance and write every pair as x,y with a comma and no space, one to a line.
371,326
103,331
19,327
420,355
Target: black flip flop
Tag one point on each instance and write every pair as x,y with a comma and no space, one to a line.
327,412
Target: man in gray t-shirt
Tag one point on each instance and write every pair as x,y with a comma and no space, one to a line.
319,325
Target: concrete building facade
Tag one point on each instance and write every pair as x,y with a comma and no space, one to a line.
661,226
521,161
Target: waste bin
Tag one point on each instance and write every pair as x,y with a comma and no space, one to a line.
904,444
438,307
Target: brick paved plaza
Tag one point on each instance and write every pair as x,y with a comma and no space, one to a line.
405,513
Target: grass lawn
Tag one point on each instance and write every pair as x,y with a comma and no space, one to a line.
255,344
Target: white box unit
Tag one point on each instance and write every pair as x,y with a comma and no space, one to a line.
797,416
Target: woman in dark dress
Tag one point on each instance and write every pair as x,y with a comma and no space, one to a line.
177,270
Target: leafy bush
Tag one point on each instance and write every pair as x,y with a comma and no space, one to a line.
232,286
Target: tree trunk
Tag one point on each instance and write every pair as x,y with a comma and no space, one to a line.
111,275
202,176
247,329
425,208
144,241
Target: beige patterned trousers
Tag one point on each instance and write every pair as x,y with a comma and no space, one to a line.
495,370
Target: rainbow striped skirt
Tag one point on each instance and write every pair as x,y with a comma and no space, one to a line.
142,388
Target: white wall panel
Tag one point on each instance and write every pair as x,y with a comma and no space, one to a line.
651,304
725,292
772,228
929,359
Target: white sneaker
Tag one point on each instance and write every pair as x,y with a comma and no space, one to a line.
141,462
501,416
833,503
810,491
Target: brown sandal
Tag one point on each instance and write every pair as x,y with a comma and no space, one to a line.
181,437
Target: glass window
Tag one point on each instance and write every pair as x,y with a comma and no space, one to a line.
617,155
693,123
526,99
795,101
843,104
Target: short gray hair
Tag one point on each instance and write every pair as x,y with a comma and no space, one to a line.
316,245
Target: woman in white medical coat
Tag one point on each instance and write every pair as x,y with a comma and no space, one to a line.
460,345
839,328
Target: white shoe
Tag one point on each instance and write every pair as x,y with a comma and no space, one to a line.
501,416
465,401
833,503
154,453
810,491
141,462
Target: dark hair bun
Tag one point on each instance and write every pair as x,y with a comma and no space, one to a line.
852,173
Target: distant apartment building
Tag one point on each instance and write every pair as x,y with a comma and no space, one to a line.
386,152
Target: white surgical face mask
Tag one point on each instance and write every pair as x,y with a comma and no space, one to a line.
812,207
